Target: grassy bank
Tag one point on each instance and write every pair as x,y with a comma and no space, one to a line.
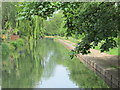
113,51
69,38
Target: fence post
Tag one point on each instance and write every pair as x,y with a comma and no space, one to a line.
118,84
105,75
93,67
111,80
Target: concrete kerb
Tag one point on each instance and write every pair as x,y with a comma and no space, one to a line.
107,77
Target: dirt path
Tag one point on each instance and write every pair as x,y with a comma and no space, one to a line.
99,62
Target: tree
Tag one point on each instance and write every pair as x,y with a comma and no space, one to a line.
9,14
54,25
34,13
98,21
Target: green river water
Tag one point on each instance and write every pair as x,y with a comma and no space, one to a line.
46,64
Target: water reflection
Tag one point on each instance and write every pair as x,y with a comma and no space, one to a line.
46,64
60,79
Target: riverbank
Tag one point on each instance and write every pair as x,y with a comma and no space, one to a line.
105,65
113,51
50,62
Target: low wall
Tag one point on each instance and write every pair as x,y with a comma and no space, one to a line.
112,81
105,75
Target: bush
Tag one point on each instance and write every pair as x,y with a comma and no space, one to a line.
18,43
5,48
0,40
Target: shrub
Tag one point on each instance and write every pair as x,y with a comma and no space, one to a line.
5,48
18,43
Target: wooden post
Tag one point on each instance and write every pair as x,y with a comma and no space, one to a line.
118,84
105,75
111,80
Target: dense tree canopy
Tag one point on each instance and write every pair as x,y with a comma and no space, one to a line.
98,21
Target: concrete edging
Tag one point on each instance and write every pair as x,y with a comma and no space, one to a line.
112,81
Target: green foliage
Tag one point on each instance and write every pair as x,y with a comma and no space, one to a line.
5,49
43,9
4,31
8,25
38,30
112,51
17,43
15,30
82,76
115,67
20,42
8,47
97,21
78,36
32,61
20,66
54,25
8,14
0,41
72,53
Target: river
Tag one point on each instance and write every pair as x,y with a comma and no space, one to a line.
46,64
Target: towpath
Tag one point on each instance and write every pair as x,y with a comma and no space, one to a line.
102,63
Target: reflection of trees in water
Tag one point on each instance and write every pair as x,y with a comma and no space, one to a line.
83,77
36,60
51,56
25,66
28,68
